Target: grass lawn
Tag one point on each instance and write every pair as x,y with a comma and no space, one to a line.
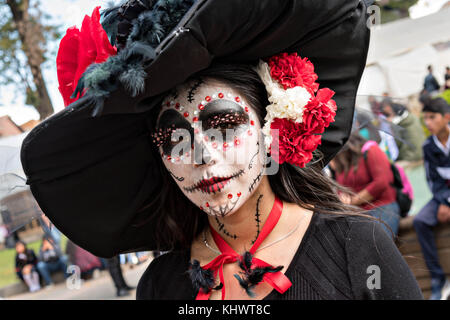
7,262
422,193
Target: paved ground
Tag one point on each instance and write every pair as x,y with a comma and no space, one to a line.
101,288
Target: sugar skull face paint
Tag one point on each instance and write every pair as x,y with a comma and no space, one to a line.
209,139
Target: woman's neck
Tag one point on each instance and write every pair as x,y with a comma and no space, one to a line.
241,229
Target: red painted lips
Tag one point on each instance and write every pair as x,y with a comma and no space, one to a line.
214,184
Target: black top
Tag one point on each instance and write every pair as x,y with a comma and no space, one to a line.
22,259
49,255
339,258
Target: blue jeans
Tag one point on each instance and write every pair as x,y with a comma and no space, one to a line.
390,215
47,268
424,222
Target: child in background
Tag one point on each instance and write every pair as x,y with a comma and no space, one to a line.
436,149
26,266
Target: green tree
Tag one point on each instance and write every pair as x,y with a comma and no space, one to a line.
25,36
395,9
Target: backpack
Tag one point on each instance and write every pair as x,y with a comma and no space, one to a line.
401,183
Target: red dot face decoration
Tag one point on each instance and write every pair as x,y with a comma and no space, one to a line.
224,166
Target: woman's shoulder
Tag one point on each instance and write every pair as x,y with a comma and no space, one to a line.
341,224
348,232
170,260
348,225
163,271
323,259
361,247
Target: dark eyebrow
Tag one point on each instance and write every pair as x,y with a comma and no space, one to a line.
217,107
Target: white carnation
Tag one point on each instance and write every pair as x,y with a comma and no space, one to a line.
284,104
288,104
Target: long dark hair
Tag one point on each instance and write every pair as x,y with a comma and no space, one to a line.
348,158
179,221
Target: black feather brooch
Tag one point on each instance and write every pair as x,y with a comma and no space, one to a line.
201,278
251,277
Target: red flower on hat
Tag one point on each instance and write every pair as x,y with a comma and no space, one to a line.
292,144
294,137
79,49
319,112
291,71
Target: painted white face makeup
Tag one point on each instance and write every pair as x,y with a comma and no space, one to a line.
210,141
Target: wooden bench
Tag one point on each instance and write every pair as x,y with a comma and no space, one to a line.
409,246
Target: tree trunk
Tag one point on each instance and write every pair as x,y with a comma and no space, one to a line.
30,33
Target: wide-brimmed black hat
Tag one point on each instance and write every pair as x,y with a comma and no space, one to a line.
92,166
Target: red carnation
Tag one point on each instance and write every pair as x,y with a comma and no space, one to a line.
292,71
79,49
319,112
292,144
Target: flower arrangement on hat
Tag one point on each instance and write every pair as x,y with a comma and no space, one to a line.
299,112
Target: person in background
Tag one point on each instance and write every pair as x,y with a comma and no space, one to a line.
374,105
142,256
436,149
366,171
85,260
407,131
387,143
367,129
134,258
53,231
447,78
116,274
3,233
51,260
129,258
430,83
26,266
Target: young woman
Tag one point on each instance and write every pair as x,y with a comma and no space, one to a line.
315,234
365,169
205,136
26,270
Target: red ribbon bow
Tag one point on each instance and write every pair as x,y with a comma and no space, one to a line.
277,279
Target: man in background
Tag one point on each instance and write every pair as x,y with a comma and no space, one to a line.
430,84
436,149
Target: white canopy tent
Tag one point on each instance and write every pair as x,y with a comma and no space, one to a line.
14,192
10,154
400,52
